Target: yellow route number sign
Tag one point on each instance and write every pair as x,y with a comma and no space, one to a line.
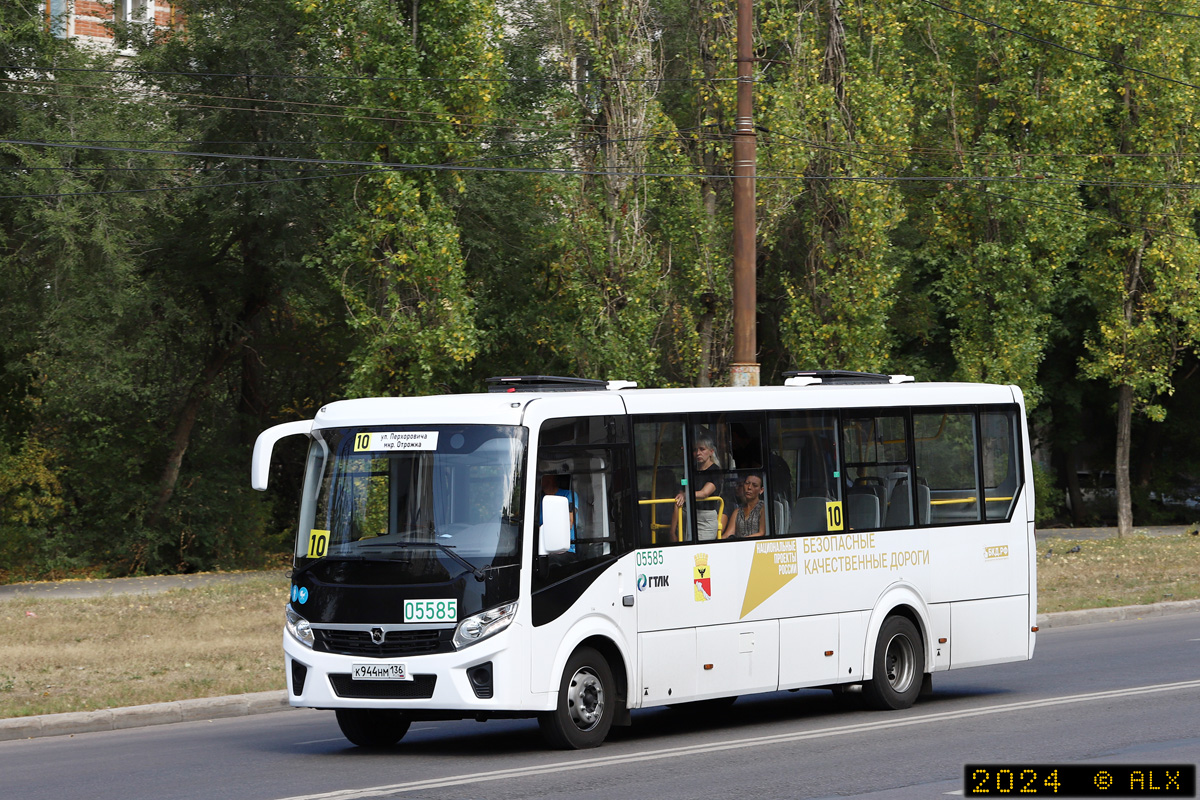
833,516
318,543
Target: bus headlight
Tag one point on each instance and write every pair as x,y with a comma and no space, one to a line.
298,627
481,626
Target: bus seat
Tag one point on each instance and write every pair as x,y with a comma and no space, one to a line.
862,510
923,504
895,478
809,516
899,511
782,515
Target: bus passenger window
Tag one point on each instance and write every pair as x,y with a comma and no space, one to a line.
1001,463
878,492
661,473
947,484
803,482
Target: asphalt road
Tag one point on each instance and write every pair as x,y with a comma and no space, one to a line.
1104,693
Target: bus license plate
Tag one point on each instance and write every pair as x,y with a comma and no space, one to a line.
381,672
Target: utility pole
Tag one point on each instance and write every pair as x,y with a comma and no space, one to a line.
744,371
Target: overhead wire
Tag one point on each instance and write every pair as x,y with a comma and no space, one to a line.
451,167
1158,11
372,78
180,188
1049,43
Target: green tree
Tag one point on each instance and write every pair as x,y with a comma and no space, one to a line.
839,114
419,82
82,347
1142,266
999,249
228,270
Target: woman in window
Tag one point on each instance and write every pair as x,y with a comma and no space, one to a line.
748,521
704,456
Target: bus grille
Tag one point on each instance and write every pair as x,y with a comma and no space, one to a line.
395,643
419,688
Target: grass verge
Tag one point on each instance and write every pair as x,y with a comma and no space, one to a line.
83,655
1105,573
87,654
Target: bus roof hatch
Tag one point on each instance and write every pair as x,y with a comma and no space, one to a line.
840,377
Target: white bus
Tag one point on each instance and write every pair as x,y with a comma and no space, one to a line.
567,549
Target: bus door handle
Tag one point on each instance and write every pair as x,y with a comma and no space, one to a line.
627,601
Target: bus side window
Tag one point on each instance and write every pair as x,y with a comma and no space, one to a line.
1001,462
585,459
880,492
947,483
805,485
661,472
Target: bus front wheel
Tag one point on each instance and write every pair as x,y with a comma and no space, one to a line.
586,703
372,727
899,666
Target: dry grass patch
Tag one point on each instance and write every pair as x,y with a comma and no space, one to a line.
83,655
1117,572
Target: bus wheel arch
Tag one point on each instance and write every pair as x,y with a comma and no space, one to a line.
898,645
589,699
897,665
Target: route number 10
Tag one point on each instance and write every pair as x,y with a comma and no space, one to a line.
833,516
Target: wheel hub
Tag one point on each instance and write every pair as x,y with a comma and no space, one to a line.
899,663
585,699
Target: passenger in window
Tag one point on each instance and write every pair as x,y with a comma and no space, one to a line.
748,521
552,487
704,456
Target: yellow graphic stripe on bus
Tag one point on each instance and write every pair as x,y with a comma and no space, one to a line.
774,565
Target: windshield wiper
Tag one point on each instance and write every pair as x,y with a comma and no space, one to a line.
480,573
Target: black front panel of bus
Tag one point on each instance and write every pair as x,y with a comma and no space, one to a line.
373,592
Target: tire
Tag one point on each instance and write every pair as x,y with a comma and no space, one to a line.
899,666
372,727
587,704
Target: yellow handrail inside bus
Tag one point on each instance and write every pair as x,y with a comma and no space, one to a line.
655,526
967,500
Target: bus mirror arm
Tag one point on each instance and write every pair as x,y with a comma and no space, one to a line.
556,525
260,466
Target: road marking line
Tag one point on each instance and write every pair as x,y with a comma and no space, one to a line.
736,744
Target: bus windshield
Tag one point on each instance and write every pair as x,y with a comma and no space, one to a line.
379,493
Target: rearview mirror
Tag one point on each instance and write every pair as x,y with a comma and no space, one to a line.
555,536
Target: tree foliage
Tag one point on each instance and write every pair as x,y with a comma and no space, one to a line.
275,205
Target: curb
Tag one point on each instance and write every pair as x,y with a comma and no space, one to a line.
1089,616
243,705
112,719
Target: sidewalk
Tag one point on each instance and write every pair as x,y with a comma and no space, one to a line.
156,584
1109,533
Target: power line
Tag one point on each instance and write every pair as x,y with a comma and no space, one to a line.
1049,43
1077,213
1127,8
524,125
451,167
178,188
370,78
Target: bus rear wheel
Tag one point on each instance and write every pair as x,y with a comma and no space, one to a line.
372,727
586,703
899,666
